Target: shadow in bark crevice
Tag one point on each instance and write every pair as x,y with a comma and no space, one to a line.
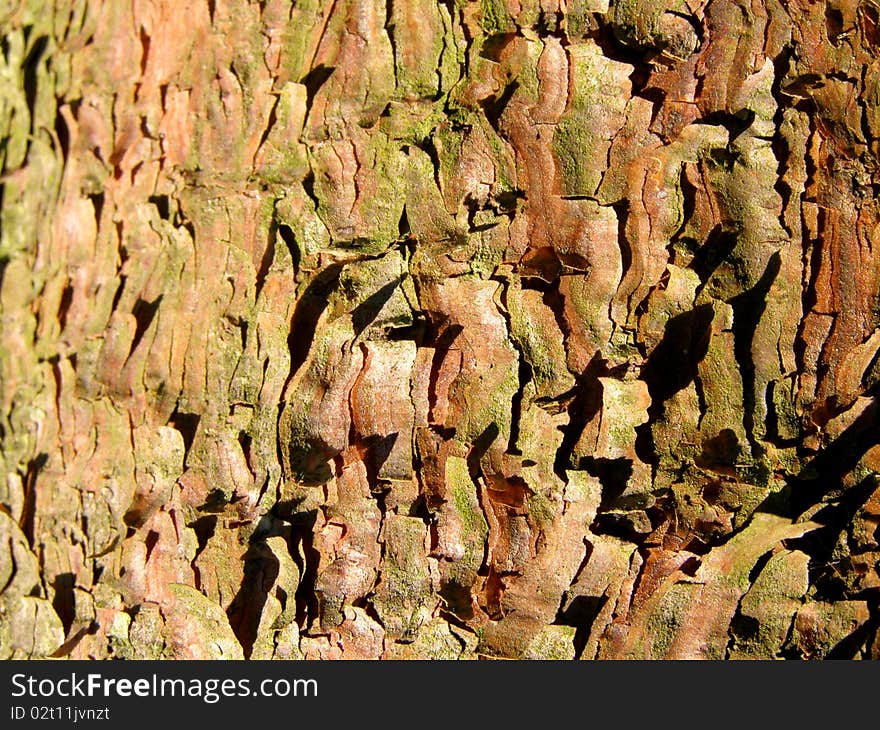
261,570
672,364
584,406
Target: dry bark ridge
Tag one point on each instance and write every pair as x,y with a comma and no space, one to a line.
414,329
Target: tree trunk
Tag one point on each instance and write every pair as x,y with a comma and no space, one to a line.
417,329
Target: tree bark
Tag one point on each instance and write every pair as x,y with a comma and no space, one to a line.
414,329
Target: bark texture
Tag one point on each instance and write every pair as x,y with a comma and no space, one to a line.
408,329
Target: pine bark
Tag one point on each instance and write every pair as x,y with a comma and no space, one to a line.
415,329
